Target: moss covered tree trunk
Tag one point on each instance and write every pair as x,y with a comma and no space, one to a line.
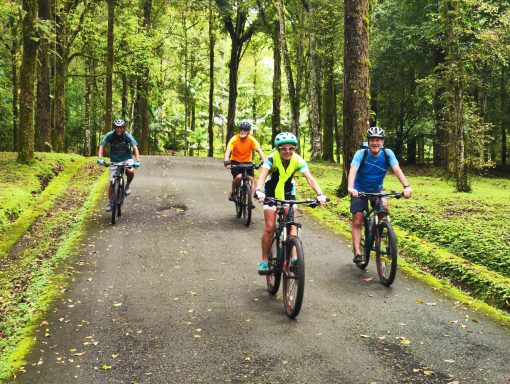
27,82
277,83
43,115
356,98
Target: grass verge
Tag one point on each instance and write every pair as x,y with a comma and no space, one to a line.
32,275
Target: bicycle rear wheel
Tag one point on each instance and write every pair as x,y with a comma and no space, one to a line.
115,201
386,253
247,203
365,244
293,277
273,279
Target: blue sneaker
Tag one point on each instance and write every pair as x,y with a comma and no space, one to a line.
264,268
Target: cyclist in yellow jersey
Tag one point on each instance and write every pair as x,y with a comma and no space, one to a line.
238,151
276,180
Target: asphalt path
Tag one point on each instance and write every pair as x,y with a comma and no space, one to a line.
170,294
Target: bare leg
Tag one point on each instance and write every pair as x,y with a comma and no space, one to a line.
357,220
267,234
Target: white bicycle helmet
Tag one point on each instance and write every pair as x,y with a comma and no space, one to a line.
375,132
119,123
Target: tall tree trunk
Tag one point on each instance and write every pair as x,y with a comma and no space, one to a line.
328,110
59,133
277,83
125,100
338,131
505,113
145,87
356,97
440,139
43,115
315,128
212,42
86,123
233,66
108,118
238,36
455,90
27,82
294,87
14,82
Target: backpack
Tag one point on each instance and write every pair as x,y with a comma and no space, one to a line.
364,146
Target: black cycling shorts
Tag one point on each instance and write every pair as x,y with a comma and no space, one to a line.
237,171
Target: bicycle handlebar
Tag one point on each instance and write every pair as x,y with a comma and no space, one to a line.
246,165
368,195
310,202
126,164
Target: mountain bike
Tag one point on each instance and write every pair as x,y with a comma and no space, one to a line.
117,185
244,197
286,258
377,235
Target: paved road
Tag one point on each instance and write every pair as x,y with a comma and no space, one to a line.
171,295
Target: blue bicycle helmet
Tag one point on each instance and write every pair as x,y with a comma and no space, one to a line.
285,138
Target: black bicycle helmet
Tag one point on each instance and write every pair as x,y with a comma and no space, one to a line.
244,126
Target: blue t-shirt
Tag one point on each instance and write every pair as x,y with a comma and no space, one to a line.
371,176
120,146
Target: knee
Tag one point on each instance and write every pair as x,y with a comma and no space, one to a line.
357,219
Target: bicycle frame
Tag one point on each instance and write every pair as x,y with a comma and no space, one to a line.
378,235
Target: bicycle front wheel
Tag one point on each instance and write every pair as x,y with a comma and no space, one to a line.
274,278
238,202
115,201
247,204
293,276
365,244
386,253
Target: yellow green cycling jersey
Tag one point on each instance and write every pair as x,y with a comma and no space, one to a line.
280,182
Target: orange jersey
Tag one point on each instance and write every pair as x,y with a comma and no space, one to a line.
241,150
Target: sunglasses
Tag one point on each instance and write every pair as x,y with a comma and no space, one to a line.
287,148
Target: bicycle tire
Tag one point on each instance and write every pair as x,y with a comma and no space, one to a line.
120,199
274,278
247,204
238,202
293,273
386,253
365,244
115,201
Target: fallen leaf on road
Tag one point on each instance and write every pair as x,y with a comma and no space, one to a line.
117,304
105,367
247,358
430,304
78,354
419,301
428,373
367,279
450,361
365,336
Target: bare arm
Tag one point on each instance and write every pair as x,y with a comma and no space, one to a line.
227,155
100,152
350,181
261,154
137,153
312,182
262,177
403,180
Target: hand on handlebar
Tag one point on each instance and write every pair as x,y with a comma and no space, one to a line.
407,192
227,164
321,199
100,161
136,164
353,192
260,195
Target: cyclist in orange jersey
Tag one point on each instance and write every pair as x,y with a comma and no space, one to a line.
239,151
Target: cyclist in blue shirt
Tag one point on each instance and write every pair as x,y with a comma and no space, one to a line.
366,174
121,145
